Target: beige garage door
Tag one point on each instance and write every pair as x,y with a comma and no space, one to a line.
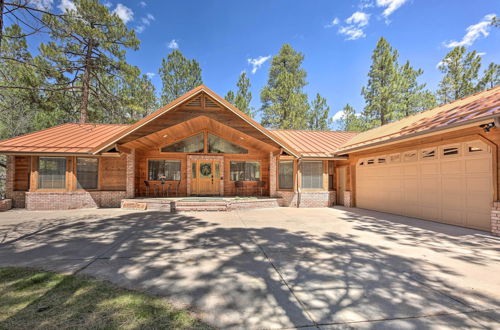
448,183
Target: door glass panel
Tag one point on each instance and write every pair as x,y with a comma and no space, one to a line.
217,170
205,170
193,170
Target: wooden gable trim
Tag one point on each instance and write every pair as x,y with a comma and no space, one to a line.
199,90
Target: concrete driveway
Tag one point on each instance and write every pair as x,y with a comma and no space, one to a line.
276,268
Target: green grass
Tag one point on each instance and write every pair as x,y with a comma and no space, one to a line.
33,299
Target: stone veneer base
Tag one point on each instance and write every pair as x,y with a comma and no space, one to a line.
73,200
495,218
5,204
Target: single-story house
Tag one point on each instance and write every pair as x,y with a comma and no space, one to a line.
439,165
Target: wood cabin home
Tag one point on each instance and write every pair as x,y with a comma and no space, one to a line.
439,165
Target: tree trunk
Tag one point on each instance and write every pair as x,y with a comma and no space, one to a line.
2,4
86,85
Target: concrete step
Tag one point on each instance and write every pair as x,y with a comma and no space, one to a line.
200,208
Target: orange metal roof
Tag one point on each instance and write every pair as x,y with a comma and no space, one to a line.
66,138
482,105
315,143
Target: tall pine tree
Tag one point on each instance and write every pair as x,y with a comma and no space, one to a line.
381,93
318,115
350,121
491,77
178,75
284,103
88,43
461,72
413,97
243,95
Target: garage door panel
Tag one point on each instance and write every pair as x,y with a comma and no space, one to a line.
454,189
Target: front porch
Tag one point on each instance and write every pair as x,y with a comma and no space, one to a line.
177,204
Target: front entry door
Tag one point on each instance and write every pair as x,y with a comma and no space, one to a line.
205,177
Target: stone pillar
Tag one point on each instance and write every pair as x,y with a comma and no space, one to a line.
9,183
495,218
131,174
272,175
347,199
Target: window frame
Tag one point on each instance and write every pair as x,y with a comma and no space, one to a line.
180,161
245,161
322,187
207,145
204,151
278,174
65,188
98,186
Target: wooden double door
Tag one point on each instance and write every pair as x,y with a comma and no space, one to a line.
205,177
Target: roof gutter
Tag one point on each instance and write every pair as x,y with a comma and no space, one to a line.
471,122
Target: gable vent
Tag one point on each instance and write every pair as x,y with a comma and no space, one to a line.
194,103
209,103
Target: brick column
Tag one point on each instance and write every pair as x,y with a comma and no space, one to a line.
131,174
347,199
495,218
9,183
272,175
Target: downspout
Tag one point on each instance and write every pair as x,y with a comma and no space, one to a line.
298,184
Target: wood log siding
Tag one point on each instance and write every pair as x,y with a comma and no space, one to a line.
22,173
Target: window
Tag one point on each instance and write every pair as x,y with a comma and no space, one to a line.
217,145
428,153
449,151
312,174
370,162
244,171
381,160
475,149
285,174
168,170
192,144
395,158
410,156
52,173
86,173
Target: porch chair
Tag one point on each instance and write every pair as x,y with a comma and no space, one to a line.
237,186
261,185
147,186
176,188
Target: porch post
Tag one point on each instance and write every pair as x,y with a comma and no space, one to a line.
9,183
272,175
130,193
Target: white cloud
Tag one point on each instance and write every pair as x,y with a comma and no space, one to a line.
356,24
150,74
257,62
125,13
352,32
474,32
439,64
140,28
173,44
66,5
42,4
334,22
359,18
146,20
338,115
143,4
390,6
481,53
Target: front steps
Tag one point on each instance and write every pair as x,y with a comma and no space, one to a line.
194,205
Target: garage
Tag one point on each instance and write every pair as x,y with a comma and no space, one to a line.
449,183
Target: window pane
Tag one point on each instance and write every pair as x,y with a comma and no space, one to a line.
169,170
285,175
192,144
52,173
245,171
312,175
86,173
206,170
217,145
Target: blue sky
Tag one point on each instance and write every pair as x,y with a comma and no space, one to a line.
336,37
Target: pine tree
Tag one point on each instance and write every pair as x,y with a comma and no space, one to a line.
461,72
230,97
350,121
381,92
88,44
491,77
318,115
19,98
284,103
413,97
243,95
179,75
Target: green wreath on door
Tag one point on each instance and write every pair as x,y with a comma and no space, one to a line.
206,169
